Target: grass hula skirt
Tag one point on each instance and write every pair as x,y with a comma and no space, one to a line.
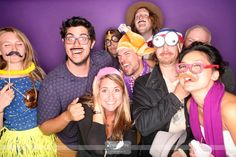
28,143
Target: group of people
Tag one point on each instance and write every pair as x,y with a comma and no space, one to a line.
149,82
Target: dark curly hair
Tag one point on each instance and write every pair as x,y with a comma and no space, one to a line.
77,21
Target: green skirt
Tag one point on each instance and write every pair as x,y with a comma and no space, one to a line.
27,143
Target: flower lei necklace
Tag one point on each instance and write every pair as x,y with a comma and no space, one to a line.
18,72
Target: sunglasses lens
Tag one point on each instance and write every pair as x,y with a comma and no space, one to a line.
171,38
30,98
158,41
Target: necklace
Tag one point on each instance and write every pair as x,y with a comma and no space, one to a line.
18,72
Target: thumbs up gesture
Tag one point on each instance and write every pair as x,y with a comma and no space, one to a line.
75,110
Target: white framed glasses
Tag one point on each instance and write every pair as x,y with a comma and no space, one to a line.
170,38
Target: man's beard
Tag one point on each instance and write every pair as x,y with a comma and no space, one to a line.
167,62
79,63
131,71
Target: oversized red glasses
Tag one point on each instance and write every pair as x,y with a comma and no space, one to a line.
195,68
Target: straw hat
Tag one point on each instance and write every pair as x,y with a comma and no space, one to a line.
152,7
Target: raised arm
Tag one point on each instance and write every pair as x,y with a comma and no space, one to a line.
152,108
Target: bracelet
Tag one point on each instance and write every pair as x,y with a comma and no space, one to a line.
97,112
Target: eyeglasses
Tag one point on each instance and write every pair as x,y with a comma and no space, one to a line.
113,38
194,68
82,39
171,39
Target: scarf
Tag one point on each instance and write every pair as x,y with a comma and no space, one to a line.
211,119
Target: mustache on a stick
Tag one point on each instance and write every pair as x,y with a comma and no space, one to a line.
14,53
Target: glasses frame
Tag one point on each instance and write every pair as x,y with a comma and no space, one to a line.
189,67
114,38
166,39
83,39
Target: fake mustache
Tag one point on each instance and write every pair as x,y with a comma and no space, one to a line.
187,75
14,53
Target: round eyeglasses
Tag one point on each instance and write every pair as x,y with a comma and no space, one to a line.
194,68
171,39
113,38
82,39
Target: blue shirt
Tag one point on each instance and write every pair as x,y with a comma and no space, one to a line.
61,87
17,116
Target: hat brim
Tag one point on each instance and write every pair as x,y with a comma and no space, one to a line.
132,9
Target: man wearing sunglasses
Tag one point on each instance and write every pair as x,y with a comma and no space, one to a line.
158,99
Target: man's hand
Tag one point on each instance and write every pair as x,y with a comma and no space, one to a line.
6,96
180,92
75,111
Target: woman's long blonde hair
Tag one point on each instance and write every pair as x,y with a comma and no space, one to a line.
123,116
38,73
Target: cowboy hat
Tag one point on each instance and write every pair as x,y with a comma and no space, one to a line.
152,7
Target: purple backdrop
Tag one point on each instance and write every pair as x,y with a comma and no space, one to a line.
40,21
